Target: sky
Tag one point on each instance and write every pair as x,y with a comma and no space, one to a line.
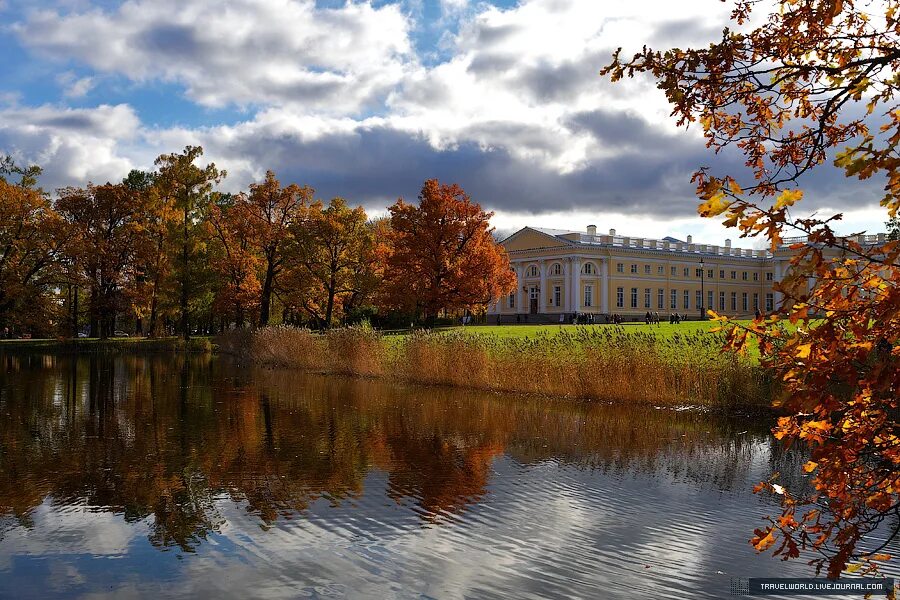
367,99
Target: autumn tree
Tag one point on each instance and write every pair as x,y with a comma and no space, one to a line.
442,254
815,81
186,189
270,211
331,256
32,240
109,236
233,258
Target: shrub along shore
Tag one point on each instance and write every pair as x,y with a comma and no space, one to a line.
604,363
135,345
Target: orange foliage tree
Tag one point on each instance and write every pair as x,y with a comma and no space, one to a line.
233,259
442,255
32,240
816,75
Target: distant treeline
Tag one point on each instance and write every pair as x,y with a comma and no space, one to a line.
165,252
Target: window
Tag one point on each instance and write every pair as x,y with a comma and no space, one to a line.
557,269
698,300
633,297
512,300
734,274
646,269
709,273
673,301
769,277
588,269
755,301
634,268
721,300
557,295
744,275
756,277
721,273
588,296
687,271
674,271
620,268
620,297
646,297
533,293
733,301
532,271
698,273
744,302
660,298
660,270
770,302
709,299
687,299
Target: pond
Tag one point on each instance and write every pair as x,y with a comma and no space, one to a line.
174,477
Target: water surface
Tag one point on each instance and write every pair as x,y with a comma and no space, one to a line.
168,477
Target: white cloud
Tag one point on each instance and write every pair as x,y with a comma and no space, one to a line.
247,52
74,86
75,145
518,114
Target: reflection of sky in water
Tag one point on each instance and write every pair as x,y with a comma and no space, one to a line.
367,490
541,530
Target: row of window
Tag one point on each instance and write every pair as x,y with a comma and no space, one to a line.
686,300
556,299
589,269
686,272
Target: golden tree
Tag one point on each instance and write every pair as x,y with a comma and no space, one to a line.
331,255
271,211
815,76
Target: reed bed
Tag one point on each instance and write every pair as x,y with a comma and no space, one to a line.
607,364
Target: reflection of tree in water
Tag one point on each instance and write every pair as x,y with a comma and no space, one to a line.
168,439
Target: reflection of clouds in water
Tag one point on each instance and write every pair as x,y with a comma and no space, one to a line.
288,485
71,530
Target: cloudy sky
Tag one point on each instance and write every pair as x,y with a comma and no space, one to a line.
367,99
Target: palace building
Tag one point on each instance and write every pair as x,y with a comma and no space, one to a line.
562,273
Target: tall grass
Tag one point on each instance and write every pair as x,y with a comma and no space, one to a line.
608,364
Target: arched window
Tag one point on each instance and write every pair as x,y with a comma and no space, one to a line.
532,271
557,269
588,269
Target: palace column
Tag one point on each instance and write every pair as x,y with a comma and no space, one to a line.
604,285
520,286
542,296
567,285
779,273
576,284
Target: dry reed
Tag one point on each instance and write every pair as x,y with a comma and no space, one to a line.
608,364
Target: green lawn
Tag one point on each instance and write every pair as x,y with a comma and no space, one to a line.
663,329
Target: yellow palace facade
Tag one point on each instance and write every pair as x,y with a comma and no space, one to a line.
562,273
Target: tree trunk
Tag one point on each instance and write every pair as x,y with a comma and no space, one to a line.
94,312
185,325
265,301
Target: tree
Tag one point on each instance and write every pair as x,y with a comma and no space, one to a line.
815,76
238,291
108,237
893,228
271,210
187,189
31,241
442,255
332,251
